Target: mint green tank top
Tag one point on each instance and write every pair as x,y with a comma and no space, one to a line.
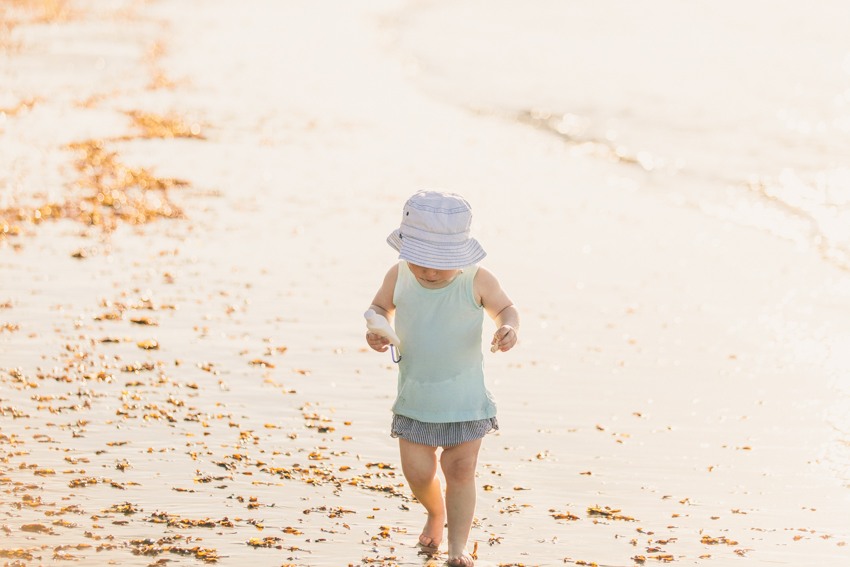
441,373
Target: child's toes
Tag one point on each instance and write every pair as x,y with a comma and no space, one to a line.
428,542
461,561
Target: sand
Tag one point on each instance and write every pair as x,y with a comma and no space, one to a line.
676,392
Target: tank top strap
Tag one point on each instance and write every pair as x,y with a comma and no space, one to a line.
406,281
468,283
469,272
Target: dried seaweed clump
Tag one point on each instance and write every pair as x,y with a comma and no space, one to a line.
112,193
16,12
13,219
165,545
167,126
13,12
609,513
159,80
22,106
117,192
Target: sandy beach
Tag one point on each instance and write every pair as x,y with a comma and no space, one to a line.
194,201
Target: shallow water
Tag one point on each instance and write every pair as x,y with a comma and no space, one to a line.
692,367
745,104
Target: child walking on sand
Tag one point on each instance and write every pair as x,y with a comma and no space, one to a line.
437,295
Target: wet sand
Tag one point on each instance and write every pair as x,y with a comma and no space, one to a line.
668,399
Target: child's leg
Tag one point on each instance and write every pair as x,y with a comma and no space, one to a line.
458,464
419,464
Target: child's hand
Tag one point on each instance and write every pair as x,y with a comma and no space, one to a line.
504,339
377,342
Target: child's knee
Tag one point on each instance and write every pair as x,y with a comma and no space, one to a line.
419,471
459,469
418,476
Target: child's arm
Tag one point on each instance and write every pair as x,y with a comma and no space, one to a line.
499,307
383,305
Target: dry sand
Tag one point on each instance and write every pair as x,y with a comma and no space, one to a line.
673,371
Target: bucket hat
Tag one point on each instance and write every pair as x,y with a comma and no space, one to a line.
434,232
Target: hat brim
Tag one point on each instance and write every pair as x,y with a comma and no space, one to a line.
439,256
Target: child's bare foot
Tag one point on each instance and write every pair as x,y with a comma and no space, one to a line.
461,560
432,533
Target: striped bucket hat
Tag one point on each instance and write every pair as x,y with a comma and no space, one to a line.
434,232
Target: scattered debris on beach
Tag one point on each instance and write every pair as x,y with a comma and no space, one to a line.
125,434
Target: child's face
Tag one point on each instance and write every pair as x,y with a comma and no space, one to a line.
432,278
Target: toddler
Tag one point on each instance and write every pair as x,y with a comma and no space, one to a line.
437,295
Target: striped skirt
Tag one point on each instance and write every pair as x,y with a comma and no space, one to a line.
441,434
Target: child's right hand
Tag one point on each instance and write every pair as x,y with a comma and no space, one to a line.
377,342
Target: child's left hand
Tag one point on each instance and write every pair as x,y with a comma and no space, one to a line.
504,339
